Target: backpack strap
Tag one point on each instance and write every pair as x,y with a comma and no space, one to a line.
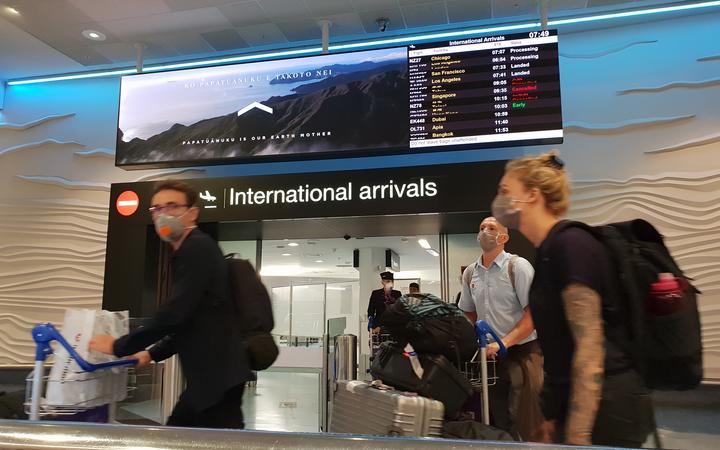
467,275
511,271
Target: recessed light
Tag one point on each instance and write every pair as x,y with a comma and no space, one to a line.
12,10
94,35
293,244
319,261
424,243
287,254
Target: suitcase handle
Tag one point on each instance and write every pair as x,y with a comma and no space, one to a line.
46,333
482,329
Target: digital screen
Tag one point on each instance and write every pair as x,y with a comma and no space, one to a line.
470,93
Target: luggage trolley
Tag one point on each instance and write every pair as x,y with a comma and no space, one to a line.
43,335
482,373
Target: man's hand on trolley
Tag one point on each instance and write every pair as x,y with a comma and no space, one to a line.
102,343
143,358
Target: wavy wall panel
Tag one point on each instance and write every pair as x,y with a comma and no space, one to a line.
686,210
52,257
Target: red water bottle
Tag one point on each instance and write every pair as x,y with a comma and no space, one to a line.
666,295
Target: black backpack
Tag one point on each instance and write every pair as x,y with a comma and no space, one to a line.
667,350
254,311
431,326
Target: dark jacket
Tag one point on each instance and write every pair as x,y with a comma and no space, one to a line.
198,323
376,306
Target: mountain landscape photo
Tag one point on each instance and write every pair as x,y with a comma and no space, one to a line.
362,105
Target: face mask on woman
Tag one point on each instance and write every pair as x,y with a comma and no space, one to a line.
505,212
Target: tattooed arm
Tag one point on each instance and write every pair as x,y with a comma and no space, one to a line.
583,311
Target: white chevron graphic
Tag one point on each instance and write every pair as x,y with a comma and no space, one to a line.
253,105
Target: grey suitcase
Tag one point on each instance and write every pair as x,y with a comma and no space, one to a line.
362,408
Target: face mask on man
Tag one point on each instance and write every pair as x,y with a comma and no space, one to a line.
488,241
505,212
388,286
169,228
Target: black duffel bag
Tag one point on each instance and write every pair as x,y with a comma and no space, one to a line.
440,379
431,326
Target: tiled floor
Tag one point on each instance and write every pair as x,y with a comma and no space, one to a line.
283,402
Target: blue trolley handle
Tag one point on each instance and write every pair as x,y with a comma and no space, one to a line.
482,329
45,333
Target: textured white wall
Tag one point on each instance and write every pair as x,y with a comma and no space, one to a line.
642,140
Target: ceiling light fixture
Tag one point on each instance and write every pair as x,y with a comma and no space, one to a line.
287,254
293,244
12,10
376,43
424,243
319,261
433,252
94,35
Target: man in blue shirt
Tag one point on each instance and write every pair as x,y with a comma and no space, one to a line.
495,289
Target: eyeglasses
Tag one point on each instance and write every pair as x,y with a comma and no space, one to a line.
167,208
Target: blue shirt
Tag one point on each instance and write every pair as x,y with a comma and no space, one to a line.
490,293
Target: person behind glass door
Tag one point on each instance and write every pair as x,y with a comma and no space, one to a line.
413,288
379,299
495,289
197,321
592,393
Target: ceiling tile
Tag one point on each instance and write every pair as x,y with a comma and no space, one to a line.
369,19
154,51
85,56
566,5
245,13
322,8
368,5
511,8
284,10
346,25
414,2
102,10
425,14
593,3
224,40
117,52
467,10
184,43
300,30
185,5
49,12
180,21
262,34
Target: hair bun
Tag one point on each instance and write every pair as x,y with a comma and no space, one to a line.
552,159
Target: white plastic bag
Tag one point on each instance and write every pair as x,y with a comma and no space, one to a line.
68,385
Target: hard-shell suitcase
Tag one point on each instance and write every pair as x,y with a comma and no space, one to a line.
440,380
364,408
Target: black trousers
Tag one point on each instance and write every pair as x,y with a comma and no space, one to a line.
225,414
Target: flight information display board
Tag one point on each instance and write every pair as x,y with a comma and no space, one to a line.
485,90
470,93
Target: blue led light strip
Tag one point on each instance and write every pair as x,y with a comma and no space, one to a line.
381,42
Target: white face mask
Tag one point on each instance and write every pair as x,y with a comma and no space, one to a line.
488,241
388,286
